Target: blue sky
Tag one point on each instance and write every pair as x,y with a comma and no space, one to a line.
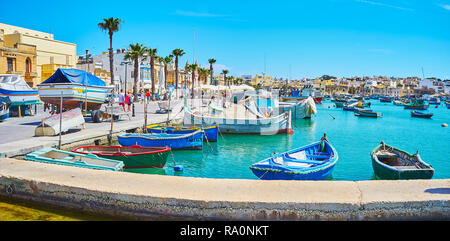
283,38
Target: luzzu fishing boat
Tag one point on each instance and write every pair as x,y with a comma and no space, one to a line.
392,163
191,141
312,162
417,105
447,103
211,132
300,109
398,103
132,157
418,114
386,99
240,119
367,113
18,91
55,156
434,101
78,89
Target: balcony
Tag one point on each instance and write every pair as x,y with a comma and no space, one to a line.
30,74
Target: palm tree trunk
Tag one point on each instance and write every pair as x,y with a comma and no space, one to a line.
111,59
136,69
165,81
152,65
176,75
211,72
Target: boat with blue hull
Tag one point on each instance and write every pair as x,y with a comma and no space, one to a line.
386,99
312,162
55,156
5,103
211,132
191,141
367,113
417,105
418,114
447,103
19,92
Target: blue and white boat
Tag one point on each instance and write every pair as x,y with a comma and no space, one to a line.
419,114
312,162
211,132
19,92
190,141
55,156
5,103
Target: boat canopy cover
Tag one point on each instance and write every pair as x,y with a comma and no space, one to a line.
75,76
13,82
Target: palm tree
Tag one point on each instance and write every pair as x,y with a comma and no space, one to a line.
225,72
137,51
177,53
152,54
192,68
211,62
111,25
167,60
204,74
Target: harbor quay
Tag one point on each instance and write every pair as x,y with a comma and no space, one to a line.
17,135
131,196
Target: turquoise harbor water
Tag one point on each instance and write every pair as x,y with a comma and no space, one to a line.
353,137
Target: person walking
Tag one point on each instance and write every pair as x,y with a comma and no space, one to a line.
148,96
129,100
122,99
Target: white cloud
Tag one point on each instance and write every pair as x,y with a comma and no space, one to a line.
198,14
384,5
219,67
447,7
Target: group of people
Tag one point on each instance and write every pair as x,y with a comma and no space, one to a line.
128,99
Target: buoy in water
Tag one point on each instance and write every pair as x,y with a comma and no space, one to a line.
444,125
178,168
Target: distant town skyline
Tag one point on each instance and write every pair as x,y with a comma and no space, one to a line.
296,39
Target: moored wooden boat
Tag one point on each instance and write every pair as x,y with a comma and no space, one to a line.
386,99
300,109
211,132
16,88
367,113
55,156
398,103
190,141
132,157
418,114
447,103
312,162
417,105
230,125
392,163
77,87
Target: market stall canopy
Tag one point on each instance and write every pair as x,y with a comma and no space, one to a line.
74,76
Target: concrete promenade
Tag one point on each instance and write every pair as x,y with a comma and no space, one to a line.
133,196
17,134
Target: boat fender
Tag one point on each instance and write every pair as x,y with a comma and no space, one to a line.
178,168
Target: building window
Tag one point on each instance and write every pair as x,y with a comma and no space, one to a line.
10,64
28,65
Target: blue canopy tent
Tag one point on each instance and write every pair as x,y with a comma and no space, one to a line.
75,76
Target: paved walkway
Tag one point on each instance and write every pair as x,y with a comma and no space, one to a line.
17,134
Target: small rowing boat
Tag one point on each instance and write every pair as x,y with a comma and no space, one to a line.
398,103
312,162
367,113
191,141
392,163
132,157
55,156
211,132
418,114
